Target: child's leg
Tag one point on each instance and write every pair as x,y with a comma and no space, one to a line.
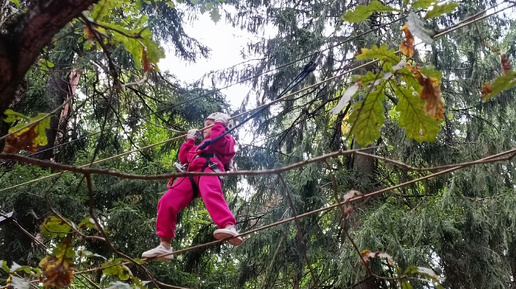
211,193
173,201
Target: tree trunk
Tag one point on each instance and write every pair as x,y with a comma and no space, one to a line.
365,166
63,92
22,43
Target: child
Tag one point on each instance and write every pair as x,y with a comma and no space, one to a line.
212,158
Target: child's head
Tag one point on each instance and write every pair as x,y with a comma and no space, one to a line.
207,132
209,121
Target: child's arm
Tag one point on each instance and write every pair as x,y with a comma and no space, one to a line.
185,147
224,148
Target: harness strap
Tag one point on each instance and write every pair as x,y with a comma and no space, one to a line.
209,163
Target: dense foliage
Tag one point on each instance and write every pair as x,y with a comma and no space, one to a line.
396,155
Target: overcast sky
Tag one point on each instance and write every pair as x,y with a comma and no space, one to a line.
225,43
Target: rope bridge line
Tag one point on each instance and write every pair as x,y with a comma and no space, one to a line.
503,156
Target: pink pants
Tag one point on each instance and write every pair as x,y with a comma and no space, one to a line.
180,195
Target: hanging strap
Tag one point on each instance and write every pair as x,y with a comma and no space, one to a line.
307,69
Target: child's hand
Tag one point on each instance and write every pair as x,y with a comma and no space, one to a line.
193,134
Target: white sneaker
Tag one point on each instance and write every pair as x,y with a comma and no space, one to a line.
160,253
228,232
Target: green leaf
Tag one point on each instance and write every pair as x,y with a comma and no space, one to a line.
13,116
42,126
381,53
418,125
87,223
134,40
387,66
111,270
45,64
102,9
16,2
429,71
140,41
54,226
36,272
64,250
116,268
438,10
363,12
4,266
501,83
368,117
422,4
368,77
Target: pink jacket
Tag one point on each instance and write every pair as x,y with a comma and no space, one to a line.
224,150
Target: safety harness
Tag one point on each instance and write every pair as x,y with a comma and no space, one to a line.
209,163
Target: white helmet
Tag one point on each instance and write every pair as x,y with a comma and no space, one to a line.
222,117
213,115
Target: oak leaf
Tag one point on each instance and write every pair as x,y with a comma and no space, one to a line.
381,53
362,12
501,83
407,45
367,117
431,94
28,134
22,140
418,125
58,272
59,266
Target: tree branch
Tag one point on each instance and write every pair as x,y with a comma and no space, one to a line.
27,39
